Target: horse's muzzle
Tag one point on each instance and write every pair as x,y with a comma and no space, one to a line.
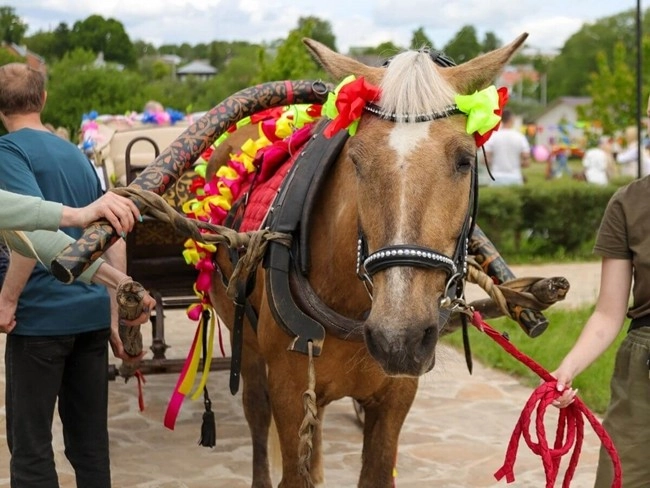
407,351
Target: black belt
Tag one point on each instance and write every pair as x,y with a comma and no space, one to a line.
639,322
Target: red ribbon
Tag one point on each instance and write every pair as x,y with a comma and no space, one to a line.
350,101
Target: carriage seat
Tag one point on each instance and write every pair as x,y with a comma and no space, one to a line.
111,153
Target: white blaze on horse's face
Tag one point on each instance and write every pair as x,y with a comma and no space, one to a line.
402,139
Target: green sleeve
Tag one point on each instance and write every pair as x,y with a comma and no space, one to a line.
47,246
23,212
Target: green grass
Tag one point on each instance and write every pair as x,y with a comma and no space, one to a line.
548,349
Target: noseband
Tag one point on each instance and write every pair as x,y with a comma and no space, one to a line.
413,255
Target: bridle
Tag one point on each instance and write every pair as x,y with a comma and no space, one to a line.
417,256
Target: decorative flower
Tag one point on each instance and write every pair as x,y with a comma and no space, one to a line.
483,109
345,105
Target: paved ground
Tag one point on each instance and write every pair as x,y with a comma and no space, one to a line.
455,436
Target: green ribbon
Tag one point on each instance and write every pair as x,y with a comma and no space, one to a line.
480,107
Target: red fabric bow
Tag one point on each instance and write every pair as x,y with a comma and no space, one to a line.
350,101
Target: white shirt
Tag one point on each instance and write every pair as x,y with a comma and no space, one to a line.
595,162
505,148
628,161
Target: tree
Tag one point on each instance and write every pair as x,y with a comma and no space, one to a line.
292,60
490,42
12,27
611,87
104,35
569,72
76,87
62,41
7,57
321,30
384,50
420,40
143,48
464,45
41,43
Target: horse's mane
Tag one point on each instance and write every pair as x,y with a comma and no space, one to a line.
412,85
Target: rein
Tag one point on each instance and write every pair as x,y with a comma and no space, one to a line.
570,430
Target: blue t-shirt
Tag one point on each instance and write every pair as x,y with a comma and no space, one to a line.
39,163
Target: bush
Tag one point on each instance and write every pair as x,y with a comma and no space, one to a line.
555,220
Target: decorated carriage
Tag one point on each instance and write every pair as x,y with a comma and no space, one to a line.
120,147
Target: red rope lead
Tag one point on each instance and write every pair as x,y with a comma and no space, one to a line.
570,430
141,382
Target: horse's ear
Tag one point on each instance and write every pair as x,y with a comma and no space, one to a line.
340,66
481,71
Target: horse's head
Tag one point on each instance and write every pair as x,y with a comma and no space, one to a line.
415,165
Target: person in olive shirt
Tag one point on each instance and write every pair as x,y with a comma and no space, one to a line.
623,242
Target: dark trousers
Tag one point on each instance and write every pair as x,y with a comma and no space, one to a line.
74,370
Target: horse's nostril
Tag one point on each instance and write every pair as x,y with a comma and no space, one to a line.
429,336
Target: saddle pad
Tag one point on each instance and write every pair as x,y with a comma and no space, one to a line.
277,160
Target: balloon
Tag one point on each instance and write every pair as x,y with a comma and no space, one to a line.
541,153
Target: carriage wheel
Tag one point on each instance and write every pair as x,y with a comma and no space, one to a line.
358,410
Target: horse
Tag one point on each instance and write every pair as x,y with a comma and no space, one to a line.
394,209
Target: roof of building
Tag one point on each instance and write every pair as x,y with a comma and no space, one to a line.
198,67
567,101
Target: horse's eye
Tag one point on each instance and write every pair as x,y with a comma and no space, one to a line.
355,163
464,164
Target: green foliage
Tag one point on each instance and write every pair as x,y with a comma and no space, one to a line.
569,72
547,350
76,87
419,39
464,45
8,57
490,42
104,35
544,221
292,61
320,30
383,50
610,88
12,27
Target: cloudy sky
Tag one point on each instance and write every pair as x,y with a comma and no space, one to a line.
354,22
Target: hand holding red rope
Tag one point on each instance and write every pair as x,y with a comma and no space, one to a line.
570,431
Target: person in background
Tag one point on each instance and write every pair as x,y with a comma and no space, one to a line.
598,163
57,354
627,158
623,242
507,153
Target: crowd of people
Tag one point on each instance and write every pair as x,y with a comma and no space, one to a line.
602,158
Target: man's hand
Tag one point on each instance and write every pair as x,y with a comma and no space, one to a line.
118,348
7,314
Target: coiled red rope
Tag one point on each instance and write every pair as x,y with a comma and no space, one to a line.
570,430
